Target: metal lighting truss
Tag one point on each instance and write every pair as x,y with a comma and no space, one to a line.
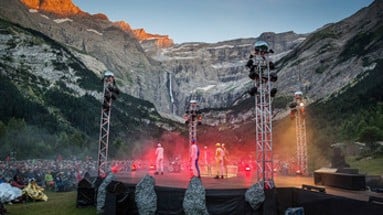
300,127
193,114
263,114
109,87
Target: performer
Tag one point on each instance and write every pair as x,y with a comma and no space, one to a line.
194,154
225,158
207,160
219,156
159,159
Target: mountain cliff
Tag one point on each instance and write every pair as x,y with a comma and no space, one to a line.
323,64
117,49
155,76
212,73
49,88
161,41
59,7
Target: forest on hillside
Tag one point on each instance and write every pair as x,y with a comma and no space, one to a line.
355,115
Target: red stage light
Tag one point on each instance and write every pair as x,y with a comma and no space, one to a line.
115,169
134,167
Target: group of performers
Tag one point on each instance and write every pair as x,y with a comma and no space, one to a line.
220,156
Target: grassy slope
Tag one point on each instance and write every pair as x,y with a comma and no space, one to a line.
367,166
63,203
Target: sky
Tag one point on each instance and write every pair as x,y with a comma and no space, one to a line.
213,21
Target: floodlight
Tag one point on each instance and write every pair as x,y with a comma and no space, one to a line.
273,92
252,91
253,74
273,77
293,105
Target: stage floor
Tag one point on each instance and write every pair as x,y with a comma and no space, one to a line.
241,181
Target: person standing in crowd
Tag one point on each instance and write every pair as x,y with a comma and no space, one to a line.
49,182
219,155
194,154
159,159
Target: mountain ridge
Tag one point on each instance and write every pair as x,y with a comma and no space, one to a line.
66,8
46,88
328,62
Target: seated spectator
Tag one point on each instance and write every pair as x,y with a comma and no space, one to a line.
59,183
17,182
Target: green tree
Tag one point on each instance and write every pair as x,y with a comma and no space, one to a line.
370,135
16,124
2,129
77,139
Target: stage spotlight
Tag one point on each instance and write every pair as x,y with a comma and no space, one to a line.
250,63
293,105
199,119
253,74
133,167
252,91
273,92
271,65
273,77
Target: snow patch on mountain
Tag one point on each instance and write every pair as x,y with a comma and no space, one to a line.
206,88
227,65
62,20
370,67
222,47
94,31
44,16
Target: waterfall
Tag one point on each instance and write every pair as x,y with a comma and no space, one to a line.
171,92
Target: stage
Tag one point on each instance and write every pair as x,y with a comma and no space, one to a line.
226,196
241,181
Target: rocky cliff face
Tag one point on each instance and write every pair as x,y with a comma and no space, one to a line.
161,41
320,64
215,74
212,73
117,49
334,56
325,61
154,41
59,7
51,76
